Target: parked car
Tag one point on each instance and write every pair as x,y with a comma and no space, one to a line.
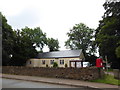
86,64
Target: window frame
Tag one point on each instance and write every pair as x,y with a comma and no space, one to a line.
43,62
61,62
51,62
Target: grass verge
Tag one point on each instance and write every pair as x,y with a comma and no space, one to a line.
108,79
109,70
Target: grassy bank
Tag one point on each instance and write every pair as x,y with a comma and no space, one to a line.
109,70
108,79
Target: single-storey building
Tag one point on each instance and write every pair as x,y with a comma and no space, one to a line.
69,58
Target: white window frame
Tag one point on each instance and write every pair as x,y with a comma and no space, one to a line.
61,62
43,62
51,62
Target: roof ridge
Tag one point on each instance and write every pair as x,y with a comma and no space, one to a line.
62,50
60,54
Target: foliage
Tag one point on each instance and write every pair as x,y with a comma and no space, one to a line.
46,65
16,48
37,37
80,37
118,51
53,44
108,32
55,64
7,41
23,50
91,59
20,45
66,65
108,79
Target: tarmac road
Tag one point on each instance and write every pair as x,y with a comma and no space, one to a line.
10,83
61,83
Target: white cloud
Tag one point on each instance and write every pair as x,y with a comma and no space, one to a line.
11,7
28,17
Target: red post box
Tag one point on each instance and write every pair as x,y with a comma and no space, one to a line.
99,62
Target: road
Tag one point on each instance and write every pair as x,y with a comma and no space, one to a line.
10,83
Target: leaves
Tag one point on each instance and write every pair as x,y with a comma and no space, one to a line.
108,32
118,52
37,37
53,44
80,37
22,44
7,40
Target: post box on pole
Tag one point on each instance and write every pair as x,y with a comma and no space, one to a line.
99,62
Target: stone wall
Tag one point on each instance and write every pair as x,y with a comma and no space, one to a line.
88,73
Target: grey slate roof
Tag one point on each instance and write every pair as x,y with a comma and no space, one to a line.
60,54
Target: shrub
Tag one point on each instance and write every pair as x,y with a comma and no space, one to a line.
55,64
66,65
46,65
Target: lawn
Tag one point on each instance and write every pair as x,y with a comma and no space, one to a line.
108,79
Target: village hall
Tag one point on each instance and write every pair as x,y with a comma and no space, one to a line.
65,58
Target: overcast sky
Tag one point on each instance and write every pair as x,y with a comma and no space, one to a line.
54,17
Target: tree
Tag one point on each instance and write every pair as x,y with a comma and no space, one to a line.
23,50
118,52
91,59
7,41
108,32
16,49
19,45
36,35
53,44
80,37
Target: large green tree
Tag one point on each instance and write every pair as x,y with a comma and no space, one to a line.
80,37
20,45
27,40
7,41
53,44
36,35
118,52
16,49
23,50
108,33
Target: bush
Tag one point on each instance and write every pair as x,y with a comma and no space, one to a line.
55,64
66,65
46,65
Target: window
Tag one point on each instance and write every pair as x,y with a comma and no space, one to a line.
61,61
43,61
51,61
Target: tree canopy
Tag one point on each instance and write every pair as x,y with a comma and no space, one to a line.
108,33
37,37
53,44
7,40
80,37
23,50
16,49
20,45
